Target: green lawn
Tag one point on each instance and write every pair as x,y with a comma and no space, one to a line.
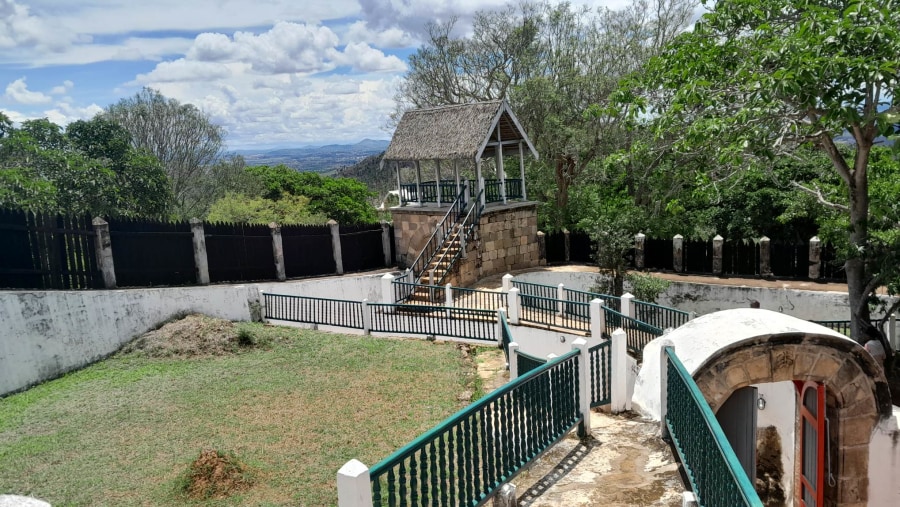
123,431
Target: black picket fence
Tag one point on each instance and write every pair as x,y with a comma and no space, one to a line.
148,253
740,258
581,248
238,252
41,251
361,247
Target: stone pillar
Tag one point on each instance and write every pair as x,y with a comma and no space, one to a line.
597,314
765,263
366,317
354,485
542,248
507,282
513,361
628,305
278,252
678,253
618,371
664,386
387,290
336,246
639,240
103,252
815,258
718,243
566,243
386,241
560,299
514,305
584,386
201,265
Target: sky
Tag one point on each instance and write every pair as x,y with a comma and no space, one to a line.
274,73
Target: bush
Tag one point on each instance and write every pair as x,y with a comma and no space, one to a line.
646,287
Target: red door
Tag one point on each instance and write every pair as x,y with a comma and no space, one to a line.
812,445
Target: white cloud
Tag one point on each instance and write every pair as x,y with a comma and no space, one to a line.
64,113
20,29
362,57
390,38
63,88
19,92
184,70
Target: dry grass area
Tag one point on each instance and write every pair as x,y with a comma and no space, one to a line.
291,406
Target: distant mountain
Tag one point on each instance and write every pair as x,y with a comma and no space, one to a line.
367,171
320,159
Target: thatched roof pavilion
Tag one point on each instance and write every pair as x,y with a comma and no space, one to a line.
466,132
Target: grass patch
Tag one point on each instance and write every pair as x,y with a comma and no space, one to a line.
123,431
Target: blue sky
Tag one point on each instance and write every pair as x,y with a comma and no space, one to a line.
273,72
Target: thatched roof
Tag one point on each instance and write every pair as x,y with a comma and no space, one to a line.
456,132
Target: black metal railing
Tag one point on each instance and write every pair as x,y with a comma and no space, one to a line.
333,312
441,231
429,320
476,298
600,364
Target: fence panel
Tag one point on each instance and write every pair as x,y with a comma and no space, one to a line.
581,296
789,259
239,252
556,247
600,364
740,258
658,254
465,323
475,298
470,455
581,249
716,476
638,333
831,268
526,362
148,253
361,247
698,256
20,262
307,250
660,317
332,312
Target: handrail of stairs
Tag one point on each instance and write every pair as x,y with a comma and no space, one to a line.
441,231
466,226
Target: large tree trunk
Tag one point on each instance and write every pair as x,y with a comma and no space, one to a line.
565,167
858,276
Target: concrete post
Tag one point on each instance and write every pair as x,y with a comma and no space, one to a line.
678,253
387,290
448,301
542,247
665,343
567,244
597,315
336,246
688,499
513,361
584,386
765,263
718,244
892,332
639,240
367,317
514,305
618,371
507,282
815,258
103,252
386,241
263,309
201,265
628,305
354,485
560,299
506,496
278,251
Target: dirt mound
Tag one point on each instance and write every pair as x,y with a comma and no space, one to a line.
192,336
216,475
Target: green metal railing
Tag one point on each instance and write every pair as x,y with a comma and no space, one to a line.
600,364
639,333
581,296
658,316
536,289
466,323
544,311
526,362
470,455
716,476
333,312
505,336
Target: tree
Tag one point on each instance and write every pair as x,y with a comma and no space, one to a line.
757,78
181,136
289,210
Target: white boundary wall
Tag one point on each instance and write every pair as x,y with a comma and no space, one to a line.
47,333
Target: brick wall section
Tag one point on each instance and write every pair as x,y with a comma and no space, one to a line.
857,397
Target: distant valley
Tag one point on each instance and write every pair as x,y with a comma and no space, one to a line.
320,159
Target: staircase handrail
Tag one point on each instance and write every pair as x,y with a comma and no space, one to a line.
466,226
434,242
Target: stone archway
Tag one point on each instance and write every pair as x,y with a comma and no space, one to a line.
858,394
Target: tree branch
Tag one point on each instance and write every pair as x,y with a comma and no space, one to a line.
817,192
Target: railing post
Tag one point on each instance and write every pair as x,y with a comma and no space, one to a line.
598,318
354,485
263,308
103,252
765,263
515,305
507,282
387,291
513,360
584,386
619,371
815,258
506,496
678,253
366,317
639,240
664,385
542,247
567,244
386,241
718,242
628,305
336,246
560,299
278,251
201,265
